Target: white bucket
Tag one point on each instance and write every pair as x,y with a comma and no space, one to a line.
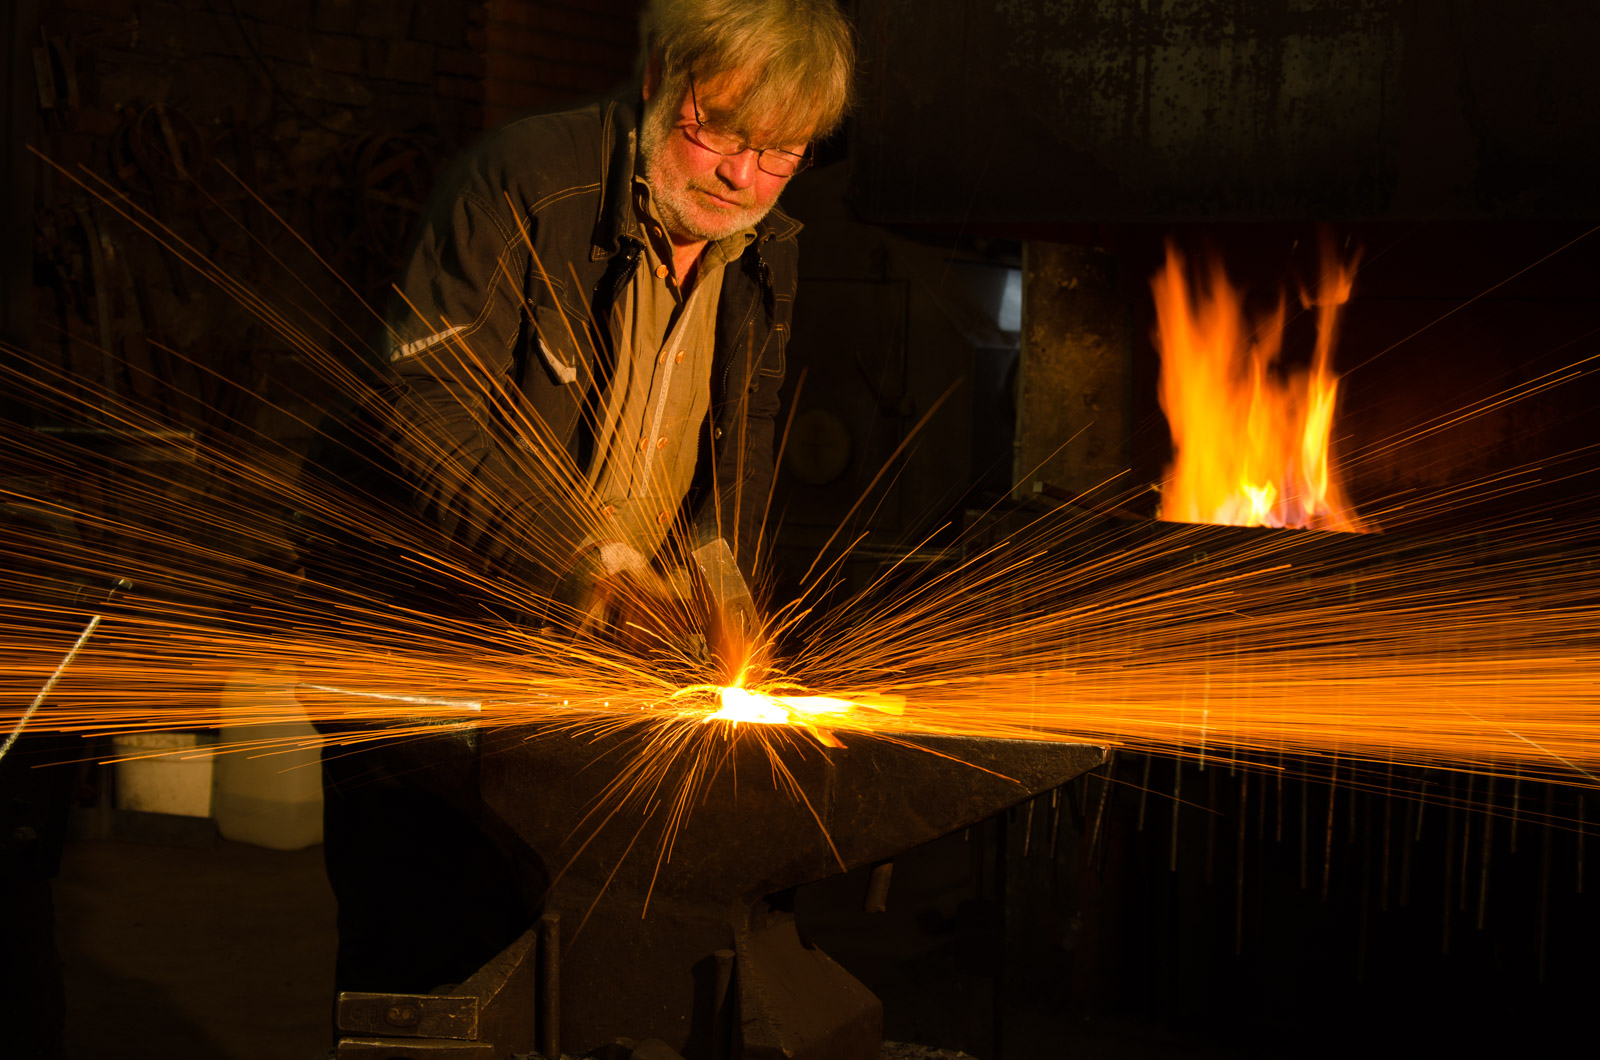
270,796
170,783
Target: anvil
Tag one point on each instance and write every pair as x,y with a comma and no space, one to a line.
698,949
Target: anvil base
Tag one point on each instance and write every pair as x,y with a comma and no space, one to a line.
700,950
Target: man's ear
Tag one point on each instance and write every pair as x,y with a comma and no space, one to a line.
652,75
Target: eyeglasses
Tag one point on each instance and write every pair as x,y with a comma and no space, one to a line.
773,160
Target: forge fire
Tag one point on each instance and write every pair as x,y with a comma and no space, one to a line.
1251,438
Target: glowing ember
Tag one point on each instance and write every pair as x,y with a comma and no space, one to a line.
741,704
773,707
1250,442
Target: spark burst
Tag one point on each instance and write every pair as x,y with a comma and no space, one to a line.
1474,651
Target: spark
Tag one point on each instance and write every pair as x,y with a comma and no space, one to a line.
1472,650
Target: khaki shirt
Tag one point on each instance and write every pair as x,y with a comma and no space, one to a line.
648,441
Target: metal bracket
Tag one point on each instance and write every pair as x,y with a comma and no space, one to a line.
489,1017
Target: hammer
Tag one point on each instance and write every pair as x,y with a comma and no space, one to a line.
723,596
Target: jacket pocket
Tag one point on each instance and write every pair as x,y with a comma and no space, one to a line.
555,341
774,352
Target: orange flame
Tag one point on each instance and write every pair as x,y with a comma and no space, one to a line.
1250,443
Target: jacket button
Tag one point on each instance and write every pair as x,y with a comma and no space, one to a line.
607,510
662,518
661,271
717,434
661,358
661,443
644,443
679,358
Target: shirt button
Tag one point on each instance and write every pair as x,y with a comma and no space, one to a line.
679,358
661,271
662,518
661,443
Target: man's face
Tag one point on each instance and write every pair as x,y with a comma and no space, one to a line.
699,193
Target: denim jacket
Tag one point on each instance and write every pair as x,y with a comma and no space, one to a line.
527,241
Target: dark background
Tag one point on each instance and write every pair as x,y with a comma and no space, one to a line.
1456,143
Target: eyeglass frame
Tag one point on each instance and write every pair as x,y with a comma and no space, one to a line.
692,130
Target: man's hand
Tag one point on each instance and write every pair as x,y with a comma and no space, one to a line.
728,611
611,591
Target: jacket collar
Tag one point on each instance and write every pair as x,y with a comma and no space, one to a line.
619,135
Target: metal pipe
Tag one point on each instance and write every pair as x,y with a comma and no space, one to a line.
1100,813
1388,817
1516,806
1544,877
1211,826
1055,821
1327,846
878,887
1238,896
1466,843
1488,848
1580,844
1144,791
1449,869
1305,833
1363,934
1278,836
1409,839
721,1014
1177,790
1001,887
549,986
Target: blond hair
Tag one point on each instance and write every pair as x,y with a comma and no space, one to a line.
792,62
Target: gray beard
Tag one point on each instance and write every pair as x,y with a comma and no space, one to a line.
673,199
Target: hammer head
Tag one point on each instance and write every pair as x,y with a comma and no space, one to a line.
731,619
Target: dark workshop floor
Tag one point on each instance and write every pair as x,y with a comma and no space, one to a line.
174,953
226,953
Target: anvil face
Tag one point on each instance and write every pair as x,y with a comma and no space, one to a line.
767,816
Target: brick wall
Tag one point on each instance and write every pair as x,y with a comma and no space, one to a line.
544,52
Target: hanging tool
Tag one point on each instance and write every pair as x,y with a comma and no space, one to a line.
66,661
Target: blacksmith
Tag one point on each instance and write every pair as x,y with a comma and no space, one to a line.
586,358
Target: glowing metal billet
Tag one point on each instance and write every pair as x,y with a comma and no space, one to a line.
745,704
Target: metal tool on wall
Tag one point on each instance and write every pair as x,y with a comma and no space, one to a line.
121,585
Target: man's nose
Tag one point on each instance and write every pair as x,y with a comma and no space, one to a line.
738,171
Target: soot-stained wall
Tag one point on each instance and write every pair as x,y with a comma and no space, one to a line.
289,147
1025,111
284,147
